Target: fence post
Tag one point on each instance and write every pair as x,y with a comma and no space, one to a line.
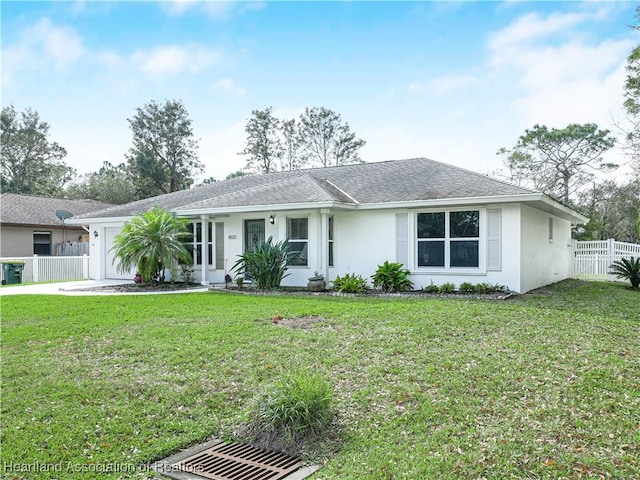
610,255
36,269
85,266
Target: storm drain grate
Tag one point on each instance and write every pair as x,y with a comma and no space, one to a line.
235,461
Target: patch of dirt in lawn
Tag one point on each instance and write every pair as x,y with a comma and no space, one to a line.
306,321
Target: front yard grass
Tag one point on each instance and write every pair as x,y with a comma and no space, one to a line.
543,386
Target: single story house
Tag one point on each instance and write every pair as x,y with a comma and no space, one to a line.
29,224
444,223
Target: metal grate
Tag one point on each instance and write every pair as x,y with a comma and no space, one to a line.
234,461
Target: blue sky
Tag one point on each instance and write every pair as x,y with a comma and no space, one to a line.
451,81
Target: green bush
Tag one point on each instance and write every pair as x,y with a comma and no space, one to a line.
297,408
447,287
483,288
467,287
152,241
391,277
431,288
350,283
266,263
627,268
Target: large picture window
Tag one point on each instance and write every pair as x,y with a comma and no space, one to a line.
298,236
449,239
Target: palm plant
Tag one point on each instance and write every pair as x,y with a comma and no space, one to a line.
151,241
627,268
266,263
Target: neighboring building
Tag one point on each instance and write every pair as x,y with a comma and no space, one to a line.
29,225
445,224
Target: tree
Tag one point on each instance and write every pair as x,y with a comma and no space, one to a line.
163,157
326,140
292,157
152,241
264,147
632,100
111,184
559,162
612,210
31,164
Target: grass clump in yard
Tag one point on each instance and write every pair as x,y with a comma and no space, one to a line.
291,415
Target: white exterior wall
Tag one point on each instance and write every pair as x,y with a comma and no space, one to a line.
364,239
543,261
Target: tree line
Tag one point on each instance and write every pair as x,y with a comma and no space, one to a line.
163,157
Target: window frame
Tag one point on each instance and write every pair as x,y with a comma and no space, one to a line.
447,240
299,241
197,244
49,243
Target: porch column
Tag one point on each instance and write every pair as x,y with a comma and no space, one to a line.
324,241
205,249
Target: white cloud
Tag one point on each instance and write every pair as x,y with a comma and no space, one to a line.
214,9
41,46
576,80
227,85
175,59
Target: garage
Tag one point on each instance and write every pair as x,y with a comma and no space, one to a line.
111,266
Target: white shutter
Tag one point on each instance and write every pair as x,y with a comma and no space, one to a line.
219,246
494,239
402,239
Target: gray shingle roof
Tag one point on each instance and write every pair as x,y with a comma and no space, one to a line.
33,210
369,183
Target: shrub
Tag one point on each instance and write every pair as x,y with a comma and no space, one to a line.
266,263
482,288
447,287
298,407
627,268
350,283
467,287
431,288
151,241
391,277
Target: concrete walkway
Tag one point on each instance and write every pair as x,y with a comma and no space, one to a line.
82,287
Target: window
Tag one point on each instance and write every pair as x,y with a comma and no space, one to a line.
550,229
42,243
298,236
196,242
449,239
331,241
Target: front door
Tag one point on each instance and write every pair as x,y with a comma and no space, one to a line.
253,236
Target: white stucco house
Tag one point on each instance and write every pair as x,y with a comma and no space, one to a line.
445,224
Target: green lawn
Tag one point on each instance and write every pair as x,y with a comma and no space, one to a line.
543,386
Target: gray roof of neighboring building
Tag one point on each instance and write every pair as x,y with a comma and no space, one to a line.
17,209
368,183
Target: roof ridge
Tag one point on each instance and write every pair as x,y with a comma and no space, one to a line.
356,202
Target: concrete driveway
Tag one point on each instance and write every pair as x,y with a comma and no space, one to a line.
82,287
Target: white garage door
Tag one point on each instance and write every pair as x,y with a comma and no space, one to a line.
111,266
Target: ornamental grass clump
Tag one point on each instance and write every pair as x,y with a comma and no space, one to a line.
266,263
295,411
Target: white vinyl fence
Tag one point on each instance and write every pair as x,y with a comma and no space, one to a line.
51,269
591,259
